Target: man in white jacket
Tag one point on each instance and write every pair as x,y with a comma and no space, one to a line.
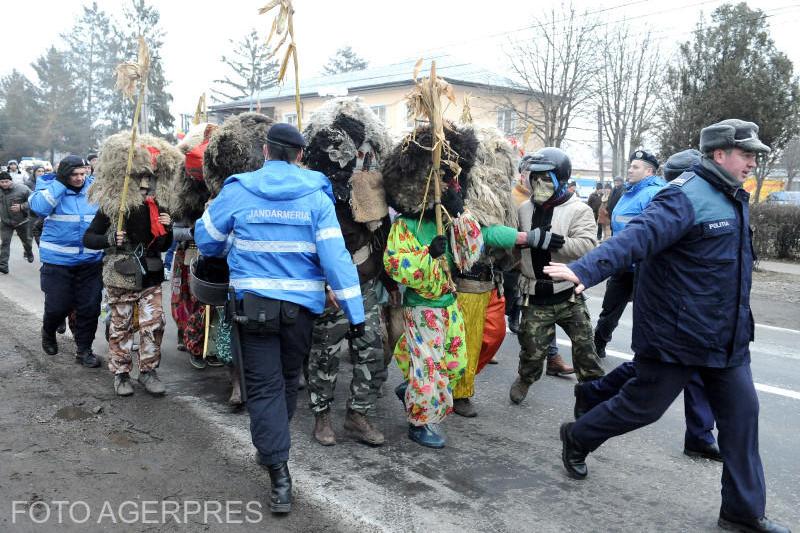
560,228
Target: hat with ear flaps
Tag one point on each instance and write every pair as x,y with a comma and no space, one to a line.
406,167
191,191
492,179
152,156
237,146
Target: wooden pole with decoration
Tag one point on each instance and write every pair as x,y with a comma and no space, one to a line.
128,74
201,111
282,29
425,101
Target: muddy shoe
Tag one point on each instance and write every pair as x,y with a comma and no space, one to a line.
197,362
519,389
464,407
323,432
556,366
87,358
359,427
151,383
122,384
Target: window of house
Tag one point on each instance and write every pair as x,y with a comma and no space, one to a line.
506,121
380,110
290,118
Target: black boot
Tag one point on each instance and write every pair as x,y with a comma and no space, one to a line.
49,343
581,406
754,525
600,347
572,456
280,497
87,358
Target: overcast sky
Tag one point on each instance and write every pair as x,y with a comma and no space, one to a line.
383,32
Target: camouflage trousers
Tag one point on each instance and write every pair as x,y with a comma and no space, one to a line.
329,344
122,303
537,329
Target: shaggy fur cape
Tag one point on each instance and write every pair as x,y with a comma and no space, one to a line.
109,173
405,169
236,147
492,179
191,194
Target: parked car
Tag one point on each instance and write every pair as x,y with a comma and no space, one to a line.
784,197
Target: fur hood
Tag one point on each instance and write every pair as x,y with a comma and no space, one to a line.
492,179
152,155
235,147
335,133
405,168
191,193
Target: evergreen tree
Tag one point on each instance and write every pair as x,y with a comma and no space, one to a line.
344,60
62,125
92,58
142,19
18,117
252,70
731,69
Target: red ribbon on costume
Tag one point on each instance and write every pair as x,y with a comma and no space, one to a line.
156,228
154,153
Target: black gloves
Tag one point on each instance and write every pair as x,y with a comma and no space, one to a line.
356,331
544,239
438,246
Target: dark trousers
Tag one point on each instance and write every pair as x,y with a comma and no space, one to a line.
644,398
272,367
699,419
76,287
619,290
6,233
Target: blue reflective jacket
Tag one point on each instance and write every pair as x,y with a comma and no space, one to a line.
634,199
67,216
286,241
692,245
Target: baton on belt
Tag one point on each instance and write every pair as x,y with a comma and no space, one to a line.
236,346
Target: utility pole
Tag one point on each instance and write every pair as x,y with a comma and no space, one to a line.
600,145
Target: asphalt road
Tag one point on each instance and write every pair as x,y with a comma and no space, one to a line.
500,471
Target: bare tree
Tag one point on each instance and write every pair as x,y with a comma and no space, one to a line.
626,89
791,160
251,69
555,67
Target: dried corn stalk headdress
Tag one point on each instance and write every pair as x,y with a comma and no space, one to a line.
128,75
283,29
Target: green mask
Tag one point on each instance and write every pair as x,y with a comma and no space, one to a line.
543,190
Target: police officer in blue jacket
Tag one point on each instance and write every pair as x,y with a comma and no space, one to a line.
642,185
71,274
285,247
692,314
699,438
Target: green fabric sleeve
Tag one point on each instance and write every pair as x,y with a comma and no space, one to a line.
499,236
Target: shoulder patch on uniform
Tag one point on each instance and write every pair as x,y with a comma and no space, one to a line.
682,180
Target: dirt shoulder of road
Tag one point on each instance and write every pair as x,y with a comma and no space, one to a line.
65,436
774,299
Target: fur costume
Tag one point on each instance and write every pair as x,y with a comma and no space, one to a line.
235,147
152,156
492,179
405,168
192,193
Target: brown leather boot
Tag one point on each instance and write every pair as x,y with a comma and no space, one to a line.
359,427
556,366
323,432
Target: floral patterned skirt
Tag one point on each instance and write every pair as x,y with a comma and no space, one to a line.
432,354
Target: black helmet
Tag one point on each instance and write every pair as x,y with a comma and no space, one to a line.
554,159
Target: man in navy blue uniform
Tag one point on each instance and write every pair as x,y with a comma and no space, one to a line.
278,227
694,253
699,438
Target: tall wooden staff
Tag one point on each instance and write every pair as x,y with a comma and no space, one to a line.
201,111
128,74
283,28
